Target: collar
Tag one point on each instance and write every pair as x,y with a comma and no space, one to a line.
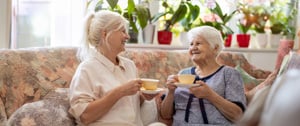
107,63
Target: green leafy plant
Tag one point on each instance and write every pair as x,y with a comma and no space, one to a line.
171,16
243,27
282,19
191,16
221,23
133,12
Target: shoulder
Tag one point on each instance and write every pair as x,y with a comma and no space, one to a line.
230,70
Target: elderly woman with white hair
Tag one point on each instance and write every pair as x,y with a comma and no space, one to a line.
219,98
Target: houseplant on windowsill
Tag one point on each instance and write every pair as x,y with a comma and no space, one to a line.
188,22
170,18
243,38
137,15
216,18
281,22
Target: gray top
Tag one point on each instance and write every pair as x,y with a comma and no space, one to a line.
227,82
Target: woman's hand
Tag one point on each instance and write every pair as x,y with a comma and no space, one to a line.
202,91
131,87
170,82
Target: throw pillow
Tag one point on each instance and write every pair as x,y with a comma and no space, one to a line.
249,81
51,111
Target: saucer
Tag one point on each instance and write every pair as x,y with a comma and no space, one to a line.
186,85
151,91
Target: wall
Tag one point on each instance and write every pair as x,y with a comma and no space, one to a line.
4,21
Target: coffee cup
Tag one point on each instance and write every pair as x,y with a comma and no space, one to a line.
149,84
186,78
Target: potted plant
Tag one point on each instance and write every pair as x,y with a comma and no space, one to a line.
243,38
170,18
188,21
137,15
216,18
281,22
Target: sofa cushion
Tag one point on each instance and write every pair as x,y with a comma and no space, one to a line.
31,73
51,111
249,81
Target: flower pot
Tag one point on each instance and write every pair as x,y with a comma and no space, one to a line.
285,46
274,40
228,40
164,37
183,39
148,34
243,40
133,36
261,40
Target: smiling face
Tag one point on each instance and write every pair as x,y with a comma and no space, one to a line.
201,51
117,39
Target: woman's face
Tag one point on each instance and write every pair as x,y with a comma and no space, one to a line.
200,50
117,40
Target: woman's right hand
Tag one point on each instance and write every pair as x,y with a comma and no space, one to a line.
172,79
131,87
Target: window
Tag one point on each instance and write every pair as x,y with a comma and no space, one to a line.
37,23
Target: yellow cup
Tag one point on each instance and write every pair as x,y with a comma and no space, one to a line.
186,78
149,84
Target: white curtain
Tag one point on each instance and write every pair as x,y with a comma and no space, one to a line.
67,22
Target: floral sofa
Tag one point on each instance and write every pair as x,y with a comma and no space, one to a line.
34,81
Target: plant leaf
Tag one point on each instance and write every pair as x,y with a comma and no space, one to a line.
142,15
179,14
131,6
112,3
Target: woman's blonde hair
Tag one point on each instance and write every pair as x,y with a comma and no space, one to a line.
210,34
94,24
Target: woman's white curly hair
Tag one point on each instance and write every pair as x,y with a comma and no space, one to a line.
210,34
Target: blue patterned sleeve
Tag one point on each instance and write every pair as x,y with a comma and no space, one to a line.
234,88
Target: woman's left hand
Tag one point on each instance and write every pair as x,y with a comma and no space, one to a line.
202,91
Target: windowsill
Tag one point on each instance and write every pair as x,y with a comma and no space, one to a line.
172,47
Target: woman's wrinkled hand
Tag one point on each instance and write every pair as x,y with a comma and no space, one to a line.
131,87
202,91
172,79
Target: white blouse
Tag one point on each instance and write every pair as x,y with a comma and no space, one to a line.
96,76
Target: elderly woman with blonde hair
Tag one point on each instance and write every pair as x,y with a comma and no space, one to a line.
105,89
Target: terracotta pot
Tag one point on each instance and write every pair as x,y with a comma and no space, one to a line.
243,40
164,37
228,40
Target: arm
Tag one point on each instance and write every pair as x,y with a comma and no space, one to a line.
230,110
167,104
268,81
98,108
